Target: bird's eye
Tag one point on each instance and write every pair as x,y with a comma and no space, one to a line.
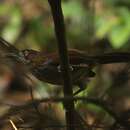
29,54
26,53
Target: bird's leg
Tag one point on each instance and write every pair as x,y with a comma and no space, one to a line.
85,78
82,86
78,91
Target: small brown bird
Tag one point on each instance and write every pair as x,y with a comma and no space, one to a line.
47,67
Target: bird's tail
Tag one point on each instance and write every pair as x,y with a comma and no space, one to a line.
115,57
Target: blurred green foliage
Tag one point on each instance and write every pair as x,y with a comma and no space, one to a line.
13,27
110,19
28,24
115,25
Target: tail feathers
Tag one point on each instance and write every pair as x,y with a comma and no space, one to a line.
116,57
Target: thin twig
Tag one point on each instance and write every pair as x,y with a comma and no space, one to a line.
32,96
13,125
102,104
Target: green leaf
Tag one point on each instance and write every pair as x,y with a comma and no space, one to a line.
120,33
104,24
12,29
119,36
74,10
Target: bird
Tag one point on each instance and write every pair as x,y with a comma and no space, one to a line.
47,68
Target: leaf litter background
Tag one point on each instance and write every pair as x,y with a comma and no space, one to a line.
95,27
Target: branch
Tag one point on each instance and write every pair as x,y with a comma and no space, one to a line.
62,46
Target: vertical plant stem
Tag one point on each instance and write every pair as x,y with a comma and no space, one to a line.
64,62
